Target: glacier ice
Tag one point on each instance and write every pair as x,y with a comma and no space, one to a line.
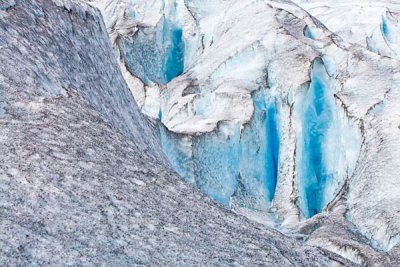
175,58
237,161
259,142
283,120
309,33
155,55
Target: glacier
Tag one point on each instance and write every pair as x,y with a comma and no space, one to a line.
275,113
83,180
151,63
180,132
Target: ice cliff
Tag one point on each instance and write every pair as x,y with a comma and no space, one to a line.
286,115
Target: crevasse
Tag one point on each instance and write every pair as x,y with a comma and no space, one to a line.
258,167
327,146
174,63
155,54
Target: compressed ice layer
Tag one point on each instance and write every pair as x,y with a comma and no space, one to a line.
173,146
385,28
175,56
317,119
390,27
155,54
328,146
308,33
232,163
259,158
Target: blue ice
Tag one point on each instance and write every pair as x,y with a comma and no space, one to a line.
175,53
160,115
216,159
174,150
385,28
316,122
242,165
260,153
308,33
156,55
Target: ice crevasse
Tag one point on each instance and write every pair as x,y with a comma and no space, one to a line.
327,145
155,55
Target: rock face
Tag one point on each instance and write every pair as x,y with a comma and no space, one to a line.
83,181
287,118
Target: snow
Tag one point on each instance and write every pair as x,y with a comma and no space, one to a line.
370,24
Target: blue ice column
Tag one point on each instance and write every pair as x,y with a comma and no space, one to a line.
209,161
385,29
317,119
178,155
258,168
174,63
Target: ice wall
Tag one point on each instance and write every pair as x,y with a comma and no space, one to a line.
236,162
258,167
